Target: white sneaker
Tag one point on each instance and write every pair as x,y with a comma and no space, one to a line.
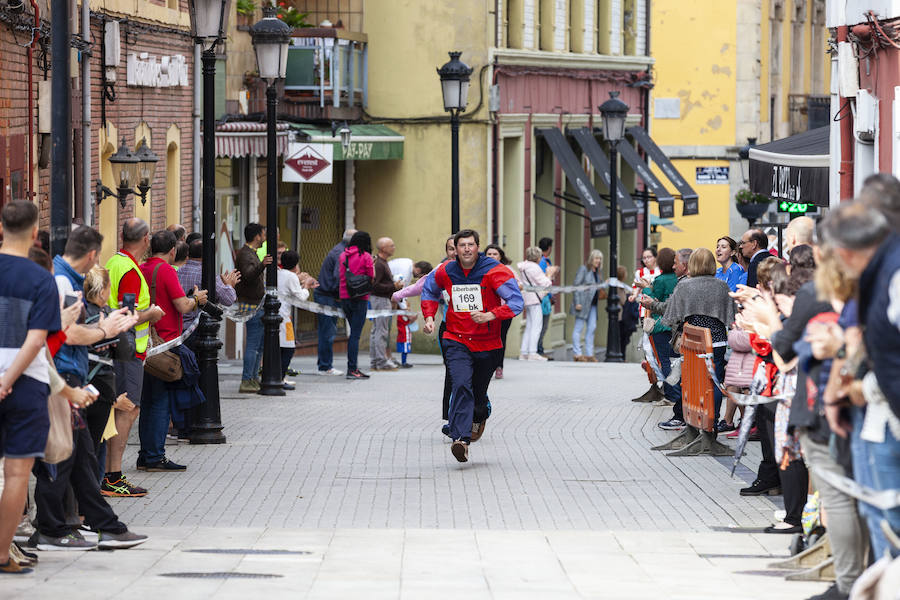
537,357
524,357
332,371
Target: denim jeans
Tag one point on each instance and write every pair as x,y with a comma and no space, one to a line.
876,465
254,348
355,311
591,323
153,420
666,354
327,327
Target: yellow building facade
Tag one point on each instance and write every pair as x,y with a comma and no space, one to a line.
725,73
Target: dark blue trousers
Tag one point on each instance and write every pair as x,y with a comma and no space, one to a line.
470,375
327,327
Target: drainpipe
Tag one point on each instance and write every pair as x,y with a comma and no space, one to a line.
61,127
195,155
846,168
36,33
87,208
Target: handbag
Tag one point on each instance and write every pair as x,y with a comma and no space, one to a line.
649,324
59,437
357,285
165,366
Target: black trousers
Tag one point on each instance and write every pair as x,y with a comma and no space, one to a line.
504,329
448,384
794,486
471,374
768,472
79,470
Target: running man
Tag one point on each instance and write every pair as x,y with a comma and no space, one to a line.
476,284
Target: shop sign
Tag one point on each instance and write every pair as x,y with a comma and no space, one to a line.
308,163
144,70
708,175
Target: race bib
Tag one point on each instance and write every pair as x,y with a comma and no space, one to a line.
466,298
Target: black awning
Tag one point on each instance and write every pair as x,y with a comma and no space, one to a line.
793,169
596,209
688,195
665,200
600,163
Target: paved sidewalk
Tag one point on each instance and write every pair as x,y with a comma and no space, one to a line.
347,489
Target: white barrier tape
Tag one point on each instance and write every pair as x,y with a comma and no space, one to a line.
99,359
566,289
233,314
176,342
884,499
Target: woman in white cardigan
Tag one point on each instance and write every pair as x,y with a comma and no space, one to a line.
530,273
584,306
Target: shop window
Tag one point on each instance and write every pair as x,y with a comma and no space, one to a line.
529,26
17,185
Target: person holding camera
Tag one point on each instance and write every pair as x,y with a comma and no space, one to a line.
55,529
165,289
128,288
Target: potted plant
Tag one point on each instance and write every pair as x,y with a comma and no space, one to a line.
750,205
291,16
246,10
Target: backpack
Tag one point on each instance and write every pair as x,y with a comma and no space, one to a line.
357,285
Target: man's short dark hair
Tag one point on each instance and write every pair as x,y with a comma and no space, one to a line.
290,259
38,255
134,230
181,251
179,231
82,240
251,230
194,235
195,249
162,242
43,240
761,239
882,192
19,216
424,267
466,233
545,243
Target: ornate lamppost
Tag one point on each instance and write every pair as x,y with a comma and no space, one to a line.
271,40
455,89
208,29
613,113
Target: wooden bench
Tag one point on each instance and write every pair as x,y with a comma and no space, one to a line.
697,399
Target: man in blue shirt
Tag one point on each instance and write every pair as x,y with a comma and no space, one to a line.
327,295
546,246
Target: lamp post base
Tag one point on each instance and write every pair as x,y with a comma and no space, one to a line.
272,383
206,421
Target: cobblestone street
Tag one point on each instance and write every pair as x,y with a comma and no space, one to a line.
346,489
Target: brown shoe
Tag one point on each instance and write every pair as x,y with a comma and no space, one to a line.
13,568
590,359
478,430
460,450
651,395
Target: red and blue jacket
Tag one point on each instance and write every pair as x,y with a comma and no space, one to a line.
496,282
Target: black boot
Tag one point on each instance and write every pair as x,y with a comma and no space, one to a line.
652,395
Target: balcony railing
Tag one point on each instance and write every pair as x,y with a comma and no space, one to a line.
328,67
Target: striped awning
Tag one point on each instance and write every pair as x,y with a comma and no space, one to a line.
237,139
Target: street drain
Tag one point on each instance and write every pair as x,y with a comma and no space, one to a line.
247,551
221,575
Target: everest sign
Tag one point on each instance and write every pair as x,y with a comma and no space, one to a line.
308,163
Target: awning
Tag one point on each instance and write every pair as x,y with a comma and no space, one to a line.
596,209
665,200
794,168
600,163
688,195
248,138
367,142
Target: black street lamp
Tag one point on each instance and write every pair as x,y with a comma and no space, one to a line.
147,160
613,113
207,29
125,165
455,88
271,40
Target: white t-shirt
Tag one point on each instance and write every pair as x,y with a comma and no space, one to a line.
288,283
